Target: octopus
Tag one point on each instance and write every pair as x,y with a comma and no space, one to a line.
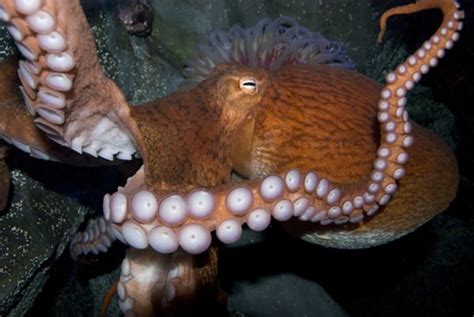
328,152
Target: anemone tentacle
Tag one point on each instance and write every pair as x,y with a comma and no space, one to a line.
270,45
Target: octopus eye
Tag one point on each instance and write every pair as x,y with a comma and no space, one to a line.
248,85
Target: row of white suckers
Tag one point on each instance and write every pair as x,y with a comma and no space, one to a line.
398,83
135,228
50,98
97,238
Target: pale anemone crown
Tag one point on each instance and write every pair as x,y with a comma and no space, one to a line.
269,44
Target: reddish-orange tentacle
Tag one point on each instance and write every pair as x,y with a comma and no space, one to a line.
108,298
445,5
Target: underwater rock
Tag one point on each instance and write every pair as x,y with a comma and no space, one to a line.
136,64
285,294
34,232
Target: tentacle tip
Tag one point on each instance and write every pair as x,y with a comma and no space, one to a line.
380,36
383,25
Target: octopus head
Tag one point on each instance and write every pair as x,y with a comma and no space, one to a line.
240,89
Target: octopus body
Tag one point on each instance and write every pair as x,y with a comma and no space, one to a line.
323,145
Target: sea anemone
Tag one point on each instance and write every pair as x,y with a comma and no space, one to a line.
270,44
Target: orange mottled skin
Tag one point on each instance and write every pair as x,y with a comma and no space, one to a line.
306,117
317,118
188,135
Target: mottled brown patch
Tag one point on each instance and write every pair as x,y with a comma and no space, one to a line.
188,135
317,118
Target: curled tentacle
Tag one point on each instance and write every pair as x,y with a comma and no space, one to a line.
16,126
429,186
97,238
151,283
190,279
108,298
449,8
142,279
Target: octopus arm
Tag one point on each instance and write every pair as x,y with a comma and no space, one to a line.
17,126
62,83
151,283
429,186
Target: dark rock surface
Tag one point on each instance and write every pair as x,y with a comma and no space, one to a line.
34,232
283,295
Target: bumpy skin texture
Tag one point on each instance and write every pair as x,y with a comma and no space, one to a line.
187,136
322,144
329,120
